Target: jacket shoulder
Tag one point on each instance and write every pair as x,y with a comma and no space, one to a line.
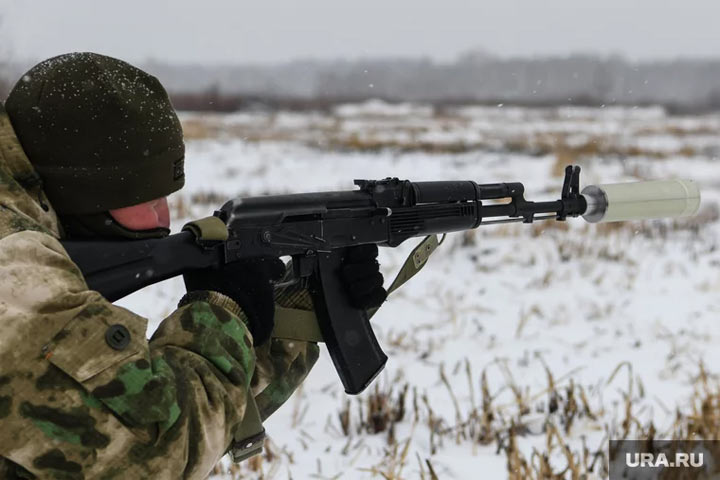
21,194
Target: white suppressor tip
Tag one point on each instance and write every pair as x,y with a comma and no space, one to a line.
641,200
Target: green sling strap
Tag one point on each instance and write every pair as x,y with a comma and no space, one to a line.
249,437
296,324
413,264
208,229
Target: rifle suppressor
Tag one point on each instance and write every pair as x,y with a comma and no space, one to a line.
616,202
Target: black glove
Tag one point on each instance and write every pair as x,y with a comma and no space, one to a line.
248,282
360,273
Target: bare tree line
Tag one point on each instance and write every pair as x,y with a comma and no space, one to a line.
681,85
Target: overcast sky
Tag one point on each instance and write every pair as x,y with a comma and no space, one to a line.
238,31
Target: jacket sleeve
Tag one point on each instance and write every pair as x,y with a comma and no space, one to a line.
282,364
89,393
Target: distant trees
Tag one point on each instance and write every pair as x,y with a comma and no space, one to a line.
477,76
682,84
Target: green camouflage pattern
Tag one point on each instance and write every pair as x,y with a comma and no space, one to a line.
71,407
283,364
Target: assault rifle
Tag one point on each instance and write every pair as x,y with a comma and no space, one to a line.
315,229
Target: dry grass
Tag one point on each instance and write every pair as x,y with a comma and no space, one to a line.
405,135
201,128
485,422
565,406
677,130
370,144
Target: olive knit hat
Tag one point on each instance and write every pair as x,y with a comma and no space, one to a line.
101,133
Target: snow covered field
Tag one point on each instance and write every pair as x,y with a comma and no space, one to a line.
517,343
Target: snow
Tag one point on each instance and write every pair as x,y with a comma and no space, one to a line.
379,108
510,300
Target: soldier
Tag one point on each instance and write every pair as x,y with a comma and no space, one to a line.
83,393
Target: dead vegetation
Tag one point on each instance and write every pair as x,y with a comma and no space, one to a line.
557,417
553,414
481,421
443,133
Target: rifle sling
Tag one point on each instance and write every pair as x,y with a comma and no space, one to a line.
208,229
296,324
249,437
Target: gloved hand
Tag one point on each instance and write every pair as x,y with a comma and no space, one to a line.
360,273
248,282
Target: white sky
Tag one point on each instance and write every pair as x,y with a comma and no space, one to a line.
239,31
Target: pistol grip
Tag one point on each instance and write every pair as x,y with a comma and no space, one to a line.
346,330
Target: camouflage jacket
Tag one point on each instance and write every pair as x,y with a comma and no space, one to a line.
72,406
